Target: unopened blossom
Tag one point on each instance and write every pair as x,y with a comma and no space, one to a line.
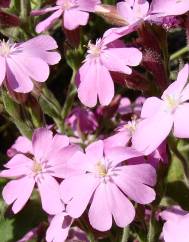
95,81
59,228
161,115
82,120
21,63
105,184
74,13
175,228
46,161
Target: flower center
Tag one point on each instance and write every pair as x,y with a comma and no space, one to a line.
94,49
5,48
172,102
101,169
37,167
67,4
131,125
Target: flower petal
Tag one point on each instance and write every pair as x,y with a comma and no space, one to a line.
177,86
121,208
41,141
80,18
151,132
81,194
17,79
181,121
100,206
49,190
45,24
2,69
18,192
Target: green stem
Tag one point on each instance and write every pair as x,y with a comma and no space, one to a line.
178,53
125,235
184,163
151,231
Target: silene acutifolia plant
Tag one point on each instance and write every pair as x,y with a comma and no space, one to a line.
94,120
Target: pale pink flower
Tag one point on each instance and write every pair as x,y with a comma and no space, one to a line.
59,228
161,115
48,160
163,8
21,63
123,134
134,12
94,76
73,12
104,183
175,228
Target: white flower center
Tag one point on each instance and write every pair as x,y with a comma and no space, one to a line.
101,169
37,167
131,126
67,4
94,49
5,48
172,102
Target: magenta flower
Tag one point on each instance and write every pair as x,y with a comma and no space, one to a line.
59,228
48,160
21,63
105,184
75,13
161,115
82,120
94,75
176,227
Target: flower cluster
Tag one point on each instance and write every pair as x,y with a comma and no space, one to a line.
98,164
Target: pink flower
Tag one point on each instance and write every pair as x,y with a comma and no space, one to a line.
161,115
176,227
59,228
94,75
169,7
133,10
104,183
21,63
75,13
48,160
123,134
22,145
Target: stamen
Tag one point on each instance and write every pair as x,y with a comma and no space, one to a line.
37,167
5,47
101,169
